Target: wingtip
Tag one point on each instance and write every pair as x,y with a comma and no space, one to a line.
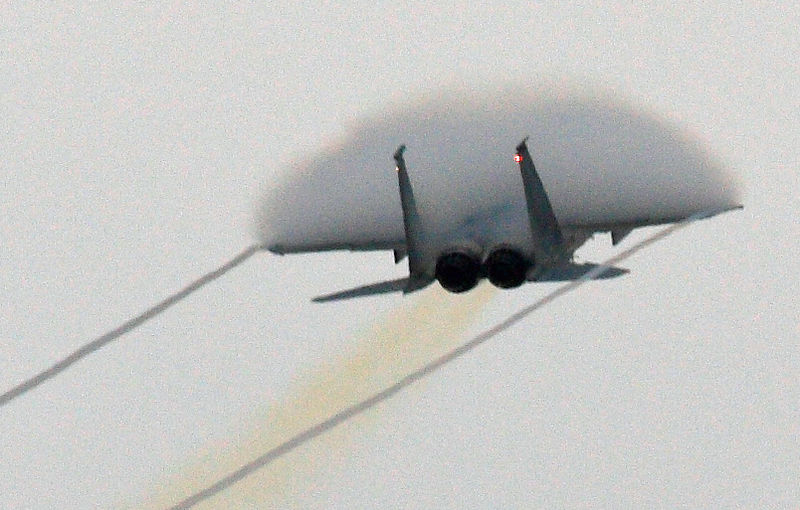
277,249
714,212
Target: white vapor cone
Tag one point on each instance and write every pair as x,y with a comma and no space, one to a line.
602,162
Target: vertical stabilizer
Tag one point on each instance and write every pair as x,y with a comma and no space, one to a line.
411,221
547,238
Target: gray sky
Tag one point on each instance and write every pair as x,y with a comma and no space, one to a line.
137,142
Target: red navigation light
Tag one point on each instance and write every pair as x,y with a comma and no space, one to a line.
518,158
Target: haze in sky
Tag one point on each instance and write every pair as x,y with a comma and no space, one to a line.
138,140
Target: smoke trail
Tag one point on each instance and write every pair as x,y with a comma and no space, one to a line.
423,327
354,410
128,326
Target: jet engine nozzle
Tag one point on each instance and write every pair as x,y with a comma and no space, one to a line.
458,271
506,268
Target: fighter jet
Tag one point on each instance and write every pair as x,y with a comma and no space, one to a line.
459,258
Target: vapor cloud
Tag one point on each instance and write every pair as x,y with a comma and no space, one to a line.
601,159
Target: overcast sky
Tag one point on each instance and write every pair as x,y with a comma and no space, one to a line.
137,142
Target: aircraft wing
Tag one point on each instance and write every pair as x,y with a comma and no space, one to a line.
396,243
649,221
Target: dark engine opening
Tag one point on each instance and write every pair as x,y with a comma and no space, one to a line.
506,268
458,271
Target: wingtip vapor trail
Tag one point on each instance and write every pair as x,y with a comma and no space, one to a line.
105,339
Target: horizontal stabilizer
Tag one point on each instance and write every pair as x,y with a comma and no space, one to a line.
404,285
569,272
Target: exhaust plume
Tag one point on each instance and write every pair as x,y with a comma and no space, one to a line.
422,328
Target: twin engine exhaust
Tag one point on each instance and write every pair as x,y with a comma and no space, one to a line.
460,271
